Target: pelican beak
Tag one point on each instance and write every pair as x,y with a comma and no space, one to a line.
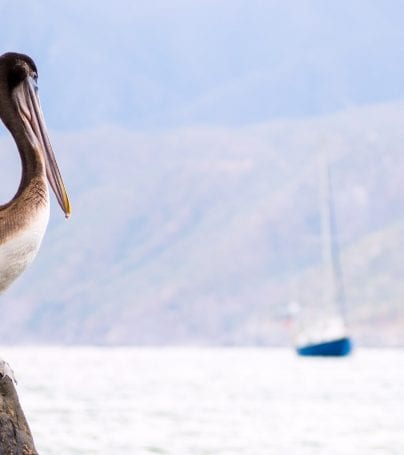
30,110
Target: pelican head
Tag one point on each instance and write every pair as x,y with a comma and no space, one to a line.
21,112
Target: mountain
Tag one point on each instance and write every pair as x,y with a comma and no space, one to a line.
204,235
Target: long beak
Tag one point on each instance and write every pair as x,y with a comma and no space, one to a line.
30,108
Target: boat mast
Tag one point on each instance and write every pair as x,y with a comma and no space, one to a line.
333,283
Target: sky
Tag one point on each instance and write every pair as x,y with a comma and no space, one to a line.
158,65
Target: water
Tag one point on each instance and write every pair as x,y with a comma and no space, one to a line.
187,401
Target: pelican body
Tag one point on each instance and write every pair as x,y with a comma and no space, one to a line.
23,220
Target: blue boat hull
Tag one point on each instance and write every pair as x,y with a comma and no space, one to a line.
334,348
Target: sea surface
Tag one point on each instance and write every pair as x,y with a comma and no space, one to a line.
210,401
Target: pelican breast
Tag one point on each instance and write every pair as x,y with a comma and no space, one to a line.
18,250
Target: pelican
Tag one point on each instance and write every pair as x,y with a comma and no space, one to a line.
24,218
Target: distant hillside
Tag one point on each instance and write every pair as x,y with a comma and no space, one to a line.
203,236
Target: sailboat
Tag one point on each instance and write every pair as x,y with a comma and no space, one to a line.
325,331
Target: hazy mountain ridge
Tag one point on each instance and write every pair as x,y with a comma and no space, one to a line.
204,235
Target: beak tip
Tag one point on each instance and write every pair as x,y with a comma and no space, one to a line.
66,205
